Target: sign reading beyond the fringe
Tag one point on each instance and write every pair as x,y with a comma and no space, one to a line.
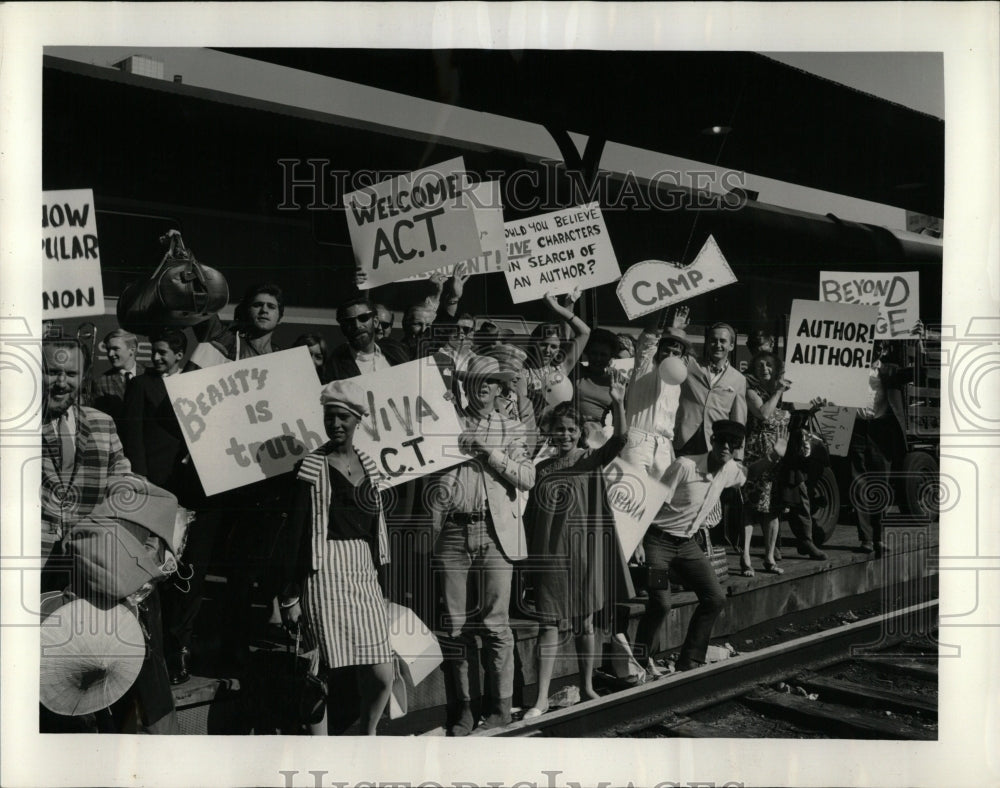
836,425
652,284
248,420
485,197
557,252
411,428
897,297
71,259
635,498
413,223
829,352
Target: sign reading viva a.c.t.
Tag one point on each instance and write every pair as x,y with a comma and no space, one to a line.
653,284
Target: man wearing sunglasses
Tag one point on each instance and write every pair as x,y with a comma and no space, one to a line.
363,352
694,483
384,320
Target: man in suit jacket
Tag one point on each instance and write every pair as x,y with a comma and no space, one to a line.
109,388
878,441
478,527
713,391
362,353
81,458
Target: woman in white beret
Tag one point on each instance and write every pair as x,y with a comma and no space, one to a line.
337,541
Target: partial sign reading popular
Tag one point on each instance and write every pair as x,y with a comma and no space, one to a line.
249,420
414,223
557,252
829,352
71,260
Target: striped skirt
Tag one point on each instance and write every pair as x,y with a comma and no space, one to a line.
345,613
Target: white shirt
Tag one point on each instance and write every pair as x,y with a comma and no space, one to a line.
651,404
370,362
690,485
877,405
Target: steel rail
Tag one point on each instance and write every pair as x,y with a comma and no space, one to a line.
681,693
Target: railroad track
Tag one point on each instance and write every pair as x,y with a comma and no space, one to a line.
687,704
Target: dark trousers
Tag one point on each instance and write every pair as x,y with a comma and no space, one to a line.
695,571
874,445
182,594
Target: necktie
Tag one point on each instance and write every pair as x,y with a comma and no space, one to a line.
67,447
128,376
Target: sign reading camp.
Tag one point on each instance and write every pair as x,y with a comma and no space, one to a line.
652,284
557,252
829,352
413,223
896,295
412,427
489,218
249,420
71,260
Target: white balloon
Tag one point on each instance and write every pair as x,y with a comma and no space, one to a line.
559,389
673,370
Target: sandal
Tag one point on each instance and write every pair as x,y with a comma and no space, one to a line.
774,569
745,569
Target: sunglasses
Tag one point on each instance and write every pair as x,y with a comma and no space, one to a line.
384,325
465,330
732,443
495,381
364,317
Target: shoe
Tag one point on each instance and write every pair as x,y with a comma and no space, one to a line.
533,712
809,549
179,667
777,554
686,664
463,722
866,547
773,568
499,717
745,569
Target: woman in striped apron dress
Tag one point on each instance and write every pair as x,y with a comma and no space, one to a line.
338,540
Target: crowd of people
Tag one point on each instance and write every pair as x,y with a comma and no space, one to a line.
542,415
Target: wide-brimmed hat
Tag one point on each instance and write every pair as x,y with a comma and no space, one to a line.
510,357
671,335
480,367
90,657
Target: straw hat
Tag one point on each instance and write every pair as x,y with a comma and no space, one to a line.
90,656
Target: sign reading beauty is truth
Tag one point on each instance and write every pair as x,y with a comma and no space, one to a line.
653,284
557,252
897,297
248,420
829,352
71,259
413,223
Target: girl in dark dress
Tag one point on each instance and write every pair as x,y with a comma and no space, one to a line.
571,540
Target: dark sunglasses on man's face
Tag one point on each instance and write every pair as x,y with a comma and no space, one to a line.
364,317
385,326
466,330
733,443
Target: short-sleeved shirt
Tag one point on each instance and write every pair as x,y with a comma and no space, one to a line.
689,484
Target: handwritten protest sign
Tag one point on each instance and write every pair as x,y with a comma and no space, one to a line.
249,420
412,428
836,425
413,223
635,498
71,260
897,297
485,197
829,352
557,252
653,284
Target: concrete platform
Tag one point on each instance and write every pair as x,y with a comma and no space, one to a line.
805,584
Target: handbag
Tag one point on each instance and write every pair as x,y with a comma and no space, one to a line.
310,689
180,292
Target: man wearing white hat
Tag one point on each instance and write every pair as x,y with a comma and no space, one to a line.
478,528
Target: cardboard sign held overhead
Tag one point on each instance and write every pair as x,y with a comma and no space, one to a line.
412,428
897,297
557,252
413,223
829,352
653,284
71,259
489,219
249,420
